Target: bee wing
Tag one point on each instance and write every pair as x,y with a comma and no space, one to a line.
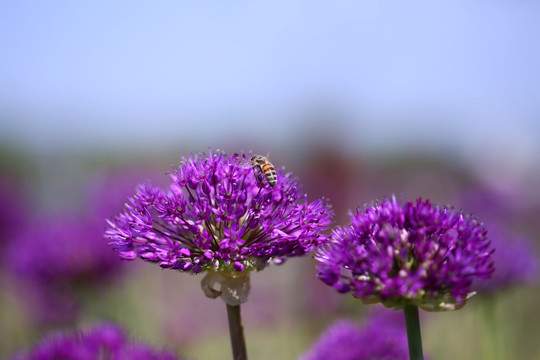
243,163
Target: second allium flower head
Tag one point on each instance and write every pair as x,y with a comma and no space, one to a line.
411,254
216,216
101,341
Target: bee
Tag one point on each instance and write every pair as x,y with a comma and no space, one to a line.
263,169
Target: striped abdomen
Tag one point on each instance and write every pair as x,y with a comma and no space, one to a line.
270,174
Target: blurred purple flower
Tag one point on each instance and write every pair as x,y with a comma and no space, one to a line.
379,339
516,262
58,254
55,257
62,249
416,253
104,341
216,217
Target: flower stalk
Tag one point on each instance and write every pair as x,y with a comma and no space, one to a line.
493,345
414,338
236,331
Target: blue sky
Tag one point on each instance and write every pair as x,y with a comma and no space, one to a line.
444,73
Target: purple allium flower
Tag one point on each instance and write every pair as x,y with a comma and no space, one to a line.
516,262
216,217
57,254
416,253
345,340
104,341
62,249
55,257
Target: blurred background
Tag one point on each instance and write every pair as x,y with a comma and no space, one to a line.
359,99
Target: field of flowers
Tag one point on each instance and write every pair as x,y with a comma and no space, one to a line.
139,260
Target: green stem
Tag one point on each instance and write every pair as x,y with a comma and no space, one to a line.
236,331
413,332
493,342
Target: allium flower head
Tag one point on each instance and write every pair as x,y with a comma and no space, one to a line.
217,217
345,340
62,250
104,341
54,258
58,254
416,253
